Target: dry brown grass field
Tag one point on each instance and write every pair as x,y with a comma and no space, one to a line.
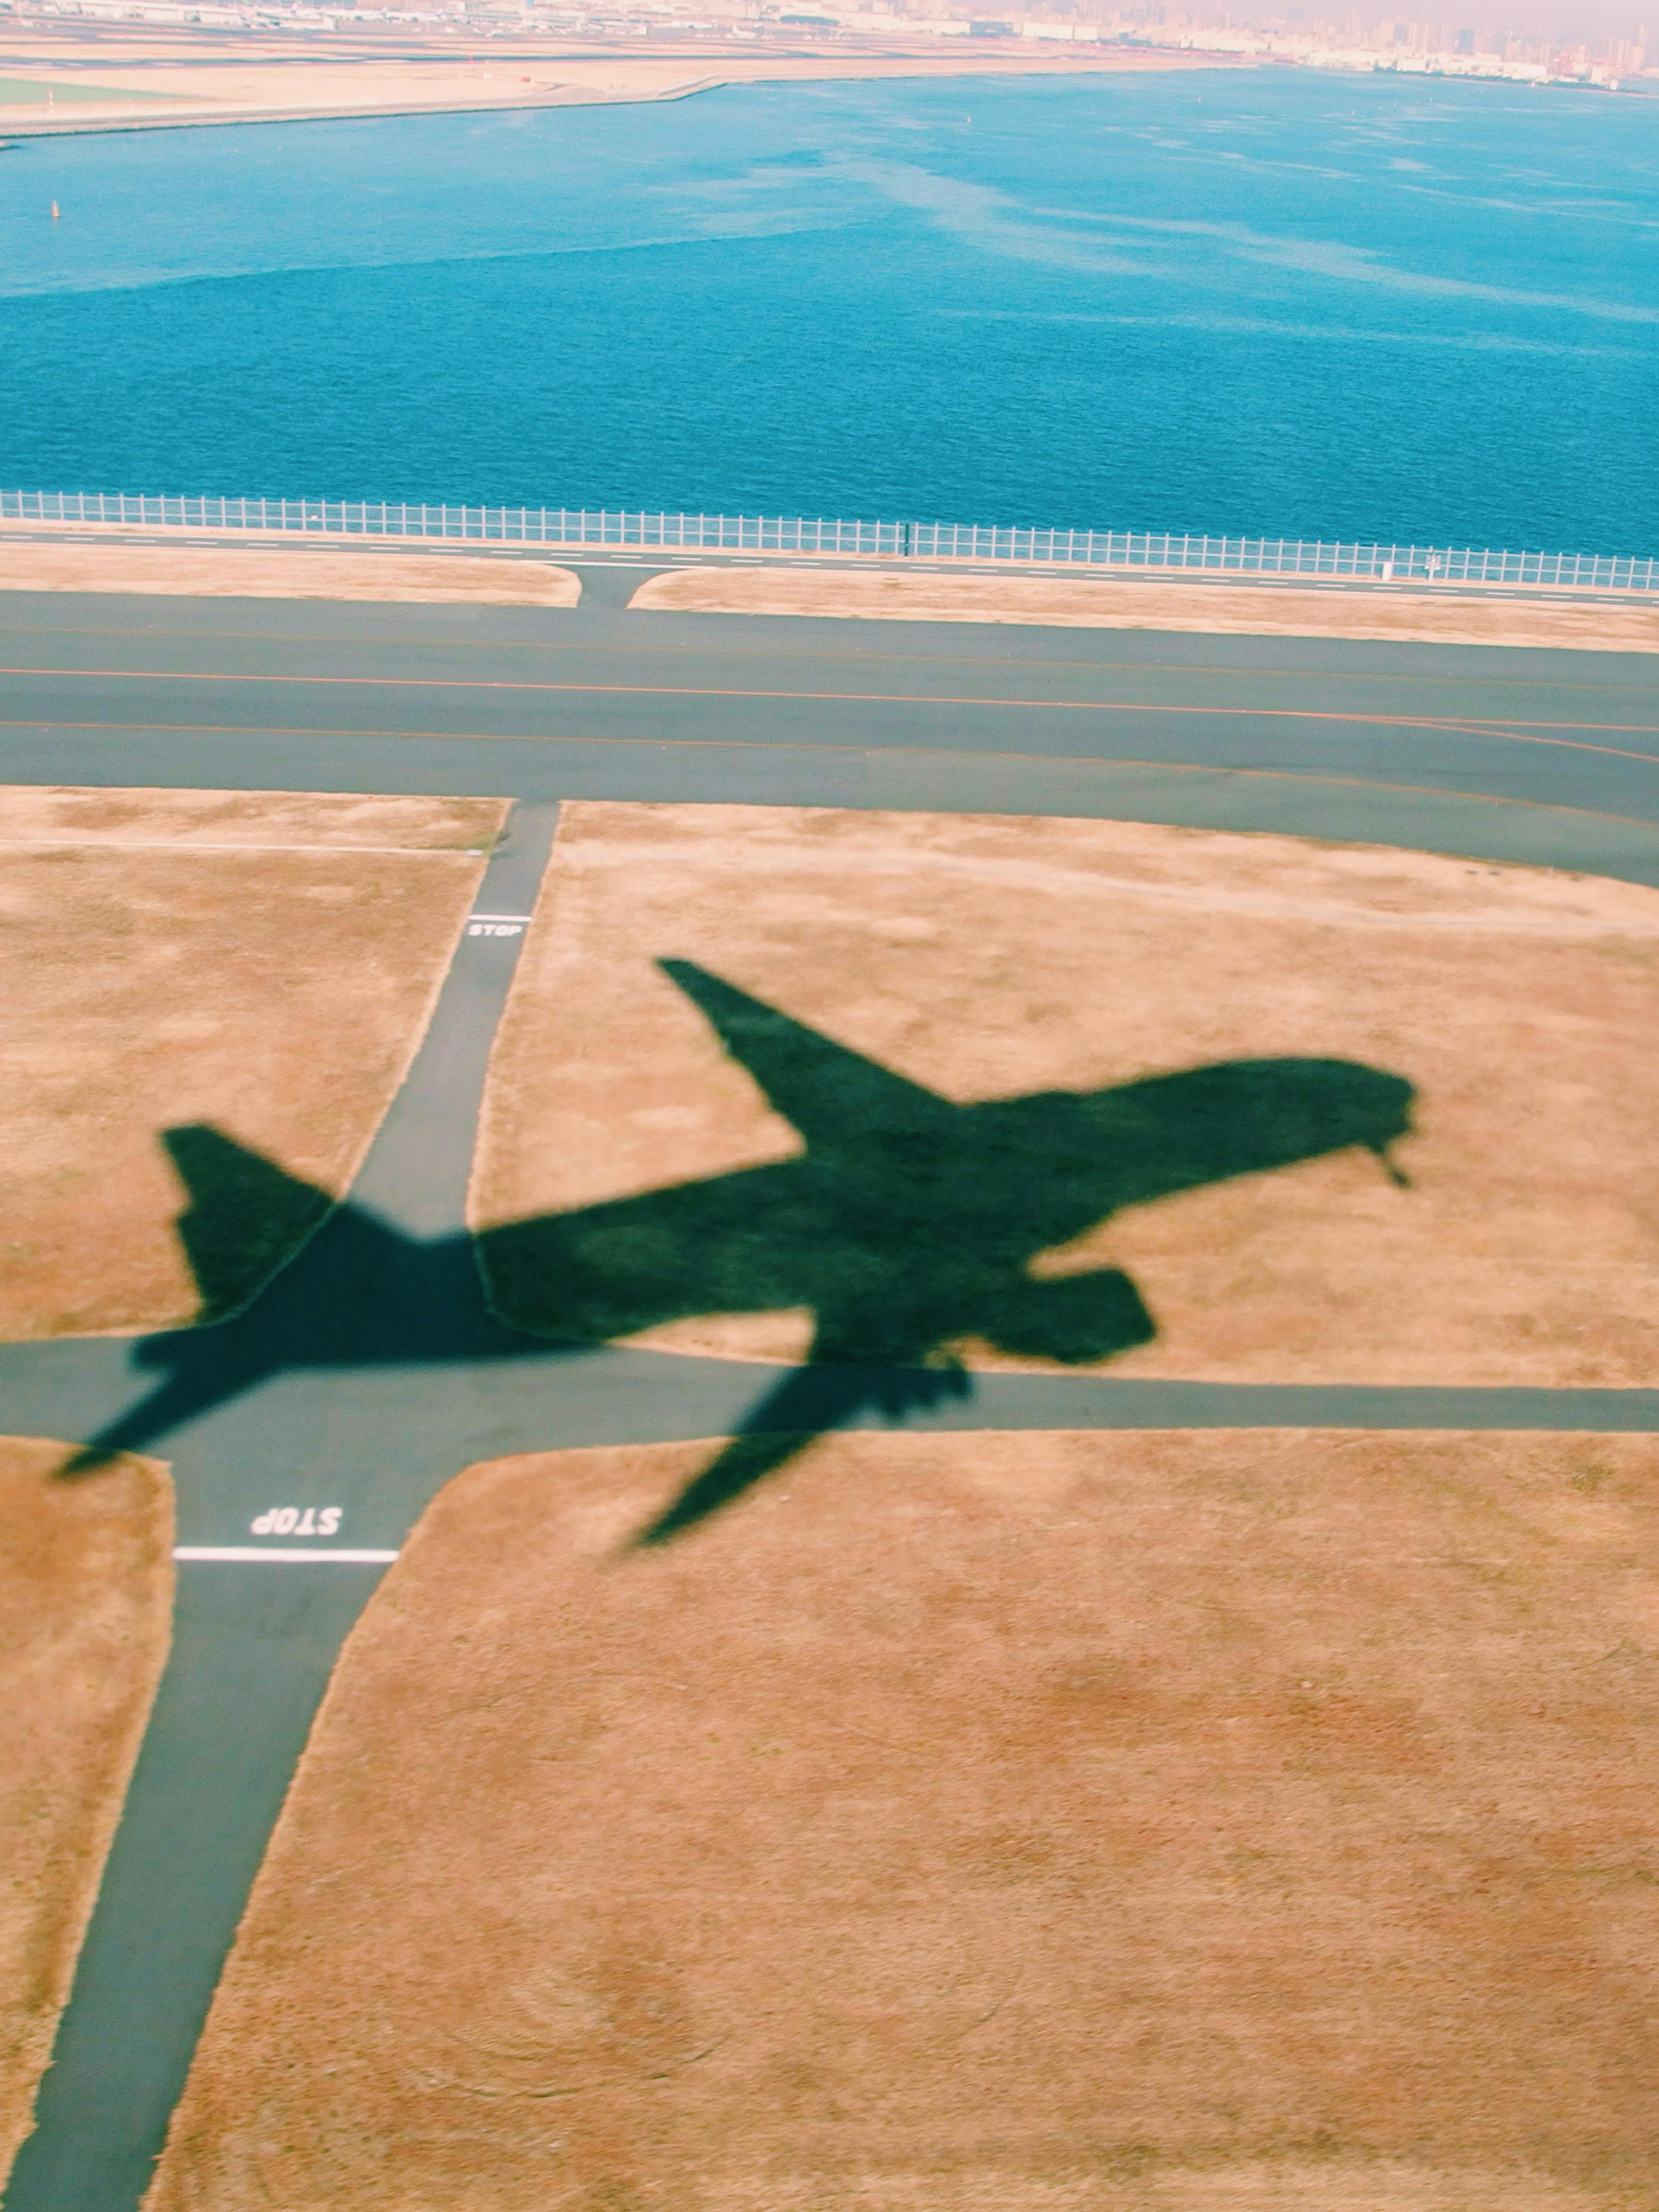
265,571
264,963
1227,1822
1083,601
86,1611
989,958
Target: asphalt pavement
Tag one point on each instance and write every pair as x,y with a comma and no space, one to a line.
1447,748
1505,755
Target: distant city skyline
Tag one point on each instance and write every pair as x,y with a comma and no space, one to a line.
1580,22
1533,41
1605,30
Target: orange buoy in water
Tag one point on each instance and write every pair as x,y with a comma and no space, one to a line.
55,216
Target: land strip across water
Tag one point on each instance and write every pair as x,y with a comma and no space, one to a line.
58,84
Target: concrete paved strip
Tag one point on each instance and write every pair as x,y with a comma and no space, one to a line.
1541,733
284,572
594,651
1426,746
1374,741
346,639
1100,603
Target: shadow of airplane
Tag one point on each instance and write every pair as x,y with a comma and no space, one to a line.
907,1225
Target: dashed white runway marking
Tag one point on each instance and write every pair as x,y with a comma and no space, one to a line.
281,1556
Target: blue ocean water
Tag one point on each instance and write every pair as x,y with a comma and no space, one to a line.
1242,301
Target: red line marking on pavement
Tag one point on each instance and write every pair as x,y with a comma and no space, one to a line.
648,652
1466,727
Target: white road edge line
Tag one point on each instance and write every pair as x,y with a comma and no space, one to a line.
271,1552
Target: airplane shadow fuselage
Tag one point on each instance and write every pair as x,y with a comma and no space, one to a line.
921,1232
907,1225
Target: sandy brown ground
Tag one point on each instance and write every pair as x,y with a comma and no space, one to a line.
283,572
1094,603
1189,1823
345,76
991,958
86,1569
263,962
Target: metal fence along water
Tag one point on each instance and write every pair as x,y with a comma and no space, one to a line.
569,527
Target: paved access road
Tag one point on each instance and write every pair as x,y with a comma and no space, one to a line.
1548,757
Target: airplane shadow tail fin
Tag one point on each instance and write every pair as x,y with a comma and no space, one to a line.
246,1216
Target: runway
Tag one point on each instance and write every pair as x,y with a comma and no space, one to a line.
1389,743
1502,755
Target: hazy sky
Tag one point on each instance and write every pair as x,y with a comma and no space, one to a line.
1579,20
1573,22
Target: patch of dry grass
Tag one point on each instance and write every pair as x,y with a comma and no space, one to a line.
263,962
1249,1822
263,571
86,1571
1088,602
990,958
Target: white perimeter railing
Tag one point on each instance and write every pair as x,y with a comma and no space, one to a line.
927,541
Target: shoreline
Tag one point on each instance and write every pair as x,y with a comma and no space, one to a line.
600,80
13,136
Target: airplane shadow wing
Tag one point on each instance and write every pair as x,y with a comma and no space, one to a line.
172,1403
803,1405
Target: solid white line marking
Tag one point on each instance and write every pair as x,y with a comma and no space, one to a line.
283,1556
498,917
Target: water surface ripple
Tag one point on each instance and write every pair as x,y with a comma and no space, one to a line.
1238,302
